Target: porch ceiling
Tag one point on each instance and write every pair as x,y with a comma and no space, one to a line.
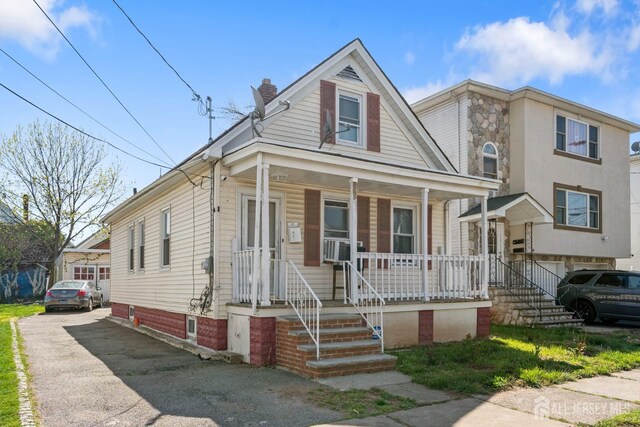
321,170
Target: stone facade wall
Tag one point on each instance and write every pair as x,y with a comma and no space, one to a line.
488,121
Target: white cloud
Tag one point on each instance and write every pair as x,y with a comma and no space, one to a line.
517,51
22,21
409,58
634,39
588,6
417,93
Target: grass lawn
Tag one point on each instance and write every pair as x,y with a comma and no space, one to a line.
630,419
520,356
8,380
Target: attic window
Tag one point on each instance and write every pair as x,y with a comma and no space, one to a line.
349,73
349,110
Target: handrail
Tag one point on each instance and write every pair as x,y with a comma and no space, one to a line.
509,282
556,297
369,302
304,302
531,285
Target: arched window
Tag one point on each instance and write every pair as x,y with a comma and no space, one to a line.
489,161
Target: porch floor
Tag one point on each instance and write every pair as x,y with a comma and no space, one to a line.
334,303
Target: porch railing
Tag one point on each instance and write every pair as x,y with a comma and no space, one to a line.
242,265
539,275
369,303
398,277
304,302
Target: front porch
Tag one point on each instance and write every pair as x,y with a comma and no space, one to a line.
316,234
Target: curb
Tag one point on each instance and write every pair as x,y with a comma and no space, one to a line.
27,418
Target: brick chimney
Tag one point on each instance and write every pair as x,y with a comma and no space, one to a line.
25,207
267,90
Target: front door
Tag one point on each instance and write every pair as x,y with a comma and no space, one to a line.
247,239
495,244
104,281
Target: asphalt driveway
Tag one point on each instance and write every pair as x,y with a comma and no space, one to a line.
89,371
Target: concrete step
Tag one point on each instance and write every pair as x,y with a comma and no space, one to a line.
546,307
329,320
559,322
351,365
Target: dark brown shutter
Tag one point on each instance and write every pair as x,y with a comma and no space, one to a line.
429,234
364,224
384,228
373,122
327,103
312,206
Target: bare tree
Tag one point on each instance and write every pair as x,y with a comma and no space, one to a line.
62,172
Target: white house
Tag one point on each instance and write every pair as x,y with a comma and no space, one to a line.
250,253
632,261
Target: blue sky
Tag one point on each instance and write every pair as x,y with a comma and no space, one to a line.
586,50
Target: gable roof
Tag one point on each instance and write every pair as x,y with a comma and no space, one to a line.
529,210
216,147
379,78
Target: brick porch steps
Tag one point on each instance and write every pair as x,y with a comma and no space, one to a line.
346,347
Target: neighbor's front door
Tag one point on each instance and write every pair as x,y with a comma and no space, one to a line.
247,239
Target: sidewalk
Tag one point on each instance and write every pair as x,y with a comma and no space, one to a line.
584,401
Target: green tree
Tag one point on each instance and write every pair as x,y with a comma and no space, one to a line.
63,173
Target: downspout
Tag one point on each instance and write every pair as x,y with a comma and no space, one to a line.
212,248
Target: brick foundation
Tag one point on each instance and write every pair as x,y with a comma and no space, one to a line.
262,347
120,310
164,321
212,333
425,327
483,323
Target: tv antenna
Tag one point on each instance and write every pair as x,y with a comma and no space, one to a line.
258,115
327,129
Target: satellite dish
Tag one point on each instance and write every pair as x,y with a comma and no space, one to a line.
257,99
635,147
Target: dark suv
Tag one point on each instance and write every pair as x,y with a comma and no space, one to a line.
610,295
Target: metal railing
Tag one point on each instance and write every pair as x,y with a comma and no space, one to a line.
519,286
367,301
539,275
304,302
398,277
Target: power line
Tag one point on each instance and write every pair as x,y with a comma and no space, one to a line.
80,109
193,92
95,137
102,81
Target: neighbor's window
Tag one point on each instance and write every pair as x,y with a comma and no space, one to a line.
104,273
576,137
165,234
489,161
403,231
141,245
349,110
577,209
131,258
84,273
336,219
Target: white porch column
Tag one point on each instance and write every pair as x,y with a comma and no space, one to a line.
255,274
425,243
266,251
485,247
353,234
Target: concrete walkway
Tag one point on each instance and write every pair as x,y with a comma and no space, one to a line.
585,401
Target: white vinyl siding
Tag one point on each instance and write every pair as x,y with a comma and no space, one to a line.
301,125
172,289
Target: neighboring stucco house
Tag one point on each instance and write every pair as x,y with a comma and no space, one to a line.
563,170
249,254
89,260
632,261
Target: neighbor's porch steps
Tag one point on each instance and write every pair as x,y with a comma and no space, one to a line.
346,347
546,313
